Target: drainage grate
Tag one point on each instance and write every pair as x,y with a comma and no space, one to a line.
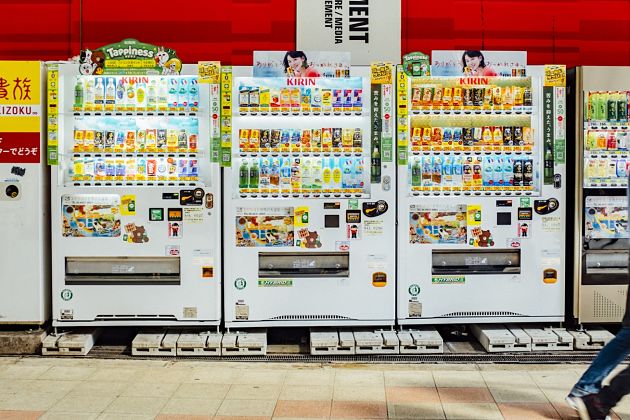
124,352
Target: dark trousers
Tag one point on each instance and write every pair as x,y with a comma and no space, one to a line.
619,386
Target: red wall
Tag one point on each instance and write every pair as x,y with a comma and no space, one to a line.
574,32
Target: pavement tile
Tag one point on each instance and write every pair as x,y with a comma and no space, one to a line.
82,404
414,410
305,409
359,393
68,373
261,377
510,394
412,395
470,411
358,378
458,379
23,371
305,392
146,389
262,408
191,406
527,411
253,392
60,415
20,415
29,401
148,406
410,379
310,377
201,390
465,395
182,417
358,409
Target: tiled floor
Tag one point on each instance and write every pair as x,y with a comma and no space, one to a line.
54,388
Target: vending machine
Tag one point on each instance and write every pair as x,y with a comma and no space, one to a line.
481,197
24,195
135,194
310,200
601,206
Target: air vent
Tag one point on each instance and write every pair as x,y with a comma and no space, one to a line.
480,314
605,308
131,317
307,317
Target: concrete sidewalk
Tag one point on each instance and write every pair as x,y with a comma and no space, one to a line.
57,388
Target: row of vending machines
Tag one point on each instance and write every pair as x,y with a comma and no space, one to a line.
371,199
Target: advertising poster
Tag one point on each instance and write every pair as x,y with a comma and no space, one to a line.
606,217
478,63
91,216
20,112
264,227
301,64
370,30
437,224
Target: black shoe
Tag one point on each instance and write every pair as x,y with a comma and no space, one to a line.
590,407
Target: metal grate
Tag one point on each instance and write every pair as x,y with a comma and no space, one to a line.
480,314
308,317
124,352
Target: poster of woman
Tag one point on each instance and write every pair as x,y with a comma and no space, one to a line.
478,63
301,64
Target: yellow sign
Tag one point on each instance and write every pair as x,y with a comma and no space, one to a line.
300,217
555,75
474,215
128,205
209,72
20,86
381,73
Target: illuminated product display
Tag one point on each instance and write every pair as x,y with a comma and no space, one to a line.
602,167
135,196
480,200
309,202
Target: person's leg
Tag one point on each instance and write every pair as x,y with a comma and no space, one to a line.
608,358
619,386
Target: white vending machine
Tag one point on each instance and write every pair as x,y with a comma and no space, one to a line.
135,197
481,198
601,179
24,195
309,201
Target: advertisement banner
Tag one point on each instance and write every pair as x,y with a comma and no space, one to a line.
437,224
20,111
606,217
478,63
301,64
130,57
370,30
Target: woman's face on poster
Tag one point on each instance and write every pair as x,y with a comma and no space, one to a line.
473,63
295,63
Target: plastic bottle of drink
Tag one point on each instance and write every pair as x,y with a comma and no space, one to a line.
193,94
622,107
173,88
285,176
110,94
182,96
296,176
346,181
375,167
336,174
88,104
162,95
152,95
99,95
601,106
131,96
317,172
611,107
254,174
243,175
416,173
307,175
326,175
120,96
274,176
78,95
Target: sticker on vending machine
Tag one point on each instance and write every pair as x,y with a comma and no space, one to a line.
523,230
353,230
171,250
175,230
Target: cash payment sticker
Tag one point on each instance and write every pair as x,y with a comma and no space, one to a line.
275,283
